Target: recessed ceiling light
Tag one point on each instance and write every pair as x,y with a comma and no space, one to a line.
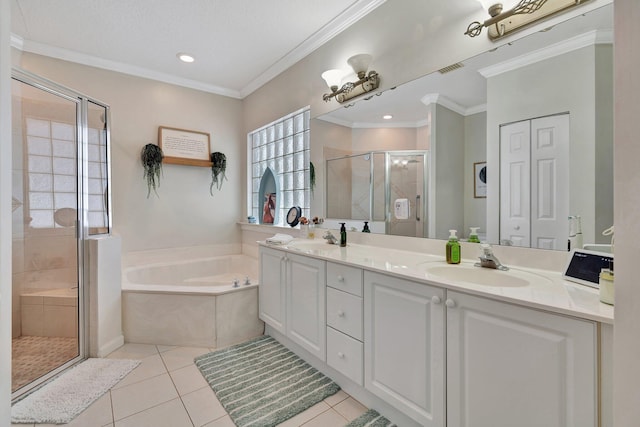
387,117
185,57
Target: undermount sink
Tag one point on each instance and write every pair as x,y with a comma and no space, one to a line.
471,274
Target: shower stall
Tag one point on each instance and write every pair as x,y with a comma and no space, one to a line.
61,198
386,188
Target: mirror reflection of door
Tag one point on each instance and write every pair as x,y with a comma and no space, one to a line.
534,182
407,194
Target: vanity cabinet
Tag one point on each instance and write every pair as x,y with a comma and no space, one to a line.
440,357
271,292
292,298
345,350
509,365
404,340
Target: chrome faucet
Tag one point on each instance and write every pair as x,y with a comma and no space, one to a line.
330,238
489,260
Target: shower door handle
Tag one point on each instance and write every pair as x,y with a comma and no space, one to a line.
418,207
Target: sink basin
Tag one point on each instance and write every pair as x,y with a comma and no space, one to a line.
468,273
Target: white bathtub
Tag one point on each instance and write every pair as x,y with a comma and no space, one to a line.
191,301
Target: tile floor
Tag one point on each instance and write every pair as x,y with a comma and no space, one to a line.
167,390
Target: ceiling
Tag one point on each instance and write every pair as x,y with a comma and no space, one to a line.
238,44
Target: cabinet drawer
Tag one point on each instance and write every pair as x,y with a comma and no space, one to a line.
344,312
345,355
348,279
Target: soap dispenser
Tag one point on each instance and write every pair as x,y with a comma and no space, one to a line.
343,235
473,235
453,248
366,227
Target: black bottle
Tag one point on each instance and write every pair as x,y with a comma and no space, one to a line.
343,235
366,227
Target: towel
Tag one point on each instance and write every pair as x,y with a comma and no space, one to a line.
279,239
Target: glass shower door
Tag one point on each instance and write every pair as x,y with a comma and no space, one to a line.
406,183
46,272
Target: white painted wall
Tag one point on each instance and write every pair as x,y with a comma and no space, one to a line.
184,214
565,83
475,150
447,157
626,350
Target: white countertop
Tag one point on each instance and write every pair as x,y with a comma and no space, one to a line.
547,289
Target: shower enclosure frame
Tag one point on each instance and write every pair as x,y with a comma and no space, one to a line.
425,213
82,230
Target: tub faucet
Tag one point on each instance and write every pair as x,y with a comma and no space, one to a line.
236,283
330,238
489,260
247,281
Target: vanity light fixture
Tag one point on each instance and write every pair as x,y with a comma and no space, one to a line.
185,57
366,82
526,12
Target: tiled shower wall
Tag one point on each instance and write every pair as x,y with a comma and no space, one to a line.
45,259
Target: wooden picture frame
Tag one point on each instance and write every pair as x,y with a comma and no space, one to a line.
480,180
185,147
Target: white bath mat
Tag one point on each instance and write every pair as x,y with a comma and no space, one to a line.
63,398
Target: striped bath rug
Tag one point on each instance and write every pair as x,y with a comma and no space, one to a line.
262,383
371,418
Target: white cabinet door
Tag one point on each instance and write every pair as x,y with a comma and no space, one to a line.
271,290
512,366
306,302
404,346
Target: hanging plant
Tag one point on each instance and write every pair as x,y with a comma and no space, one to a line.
312,176
151,157
218,168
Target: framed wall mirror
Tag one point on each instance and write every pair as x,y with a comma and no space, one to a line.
465,114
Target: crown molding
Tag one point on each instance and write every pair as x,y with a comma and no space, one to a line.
574,43
436,98
94,61
348,17
343,21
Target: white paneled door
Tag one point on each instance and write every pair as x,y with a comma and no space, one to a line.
534,182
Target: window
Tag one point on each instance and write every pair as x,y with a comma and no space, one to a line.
282,147
52,164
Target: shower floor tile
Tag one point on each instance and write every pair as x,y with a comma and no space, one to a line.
32,357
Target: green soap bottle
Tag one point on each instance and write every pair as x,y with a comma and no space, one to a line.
473,235
453,248
343,235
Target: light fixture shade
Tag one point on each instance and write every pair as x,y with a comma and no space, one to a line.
360,63
333,78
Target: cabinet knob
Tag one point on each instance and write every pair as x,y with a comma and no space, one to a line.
435,299
340,278
517,227
340,313
341,355
450,303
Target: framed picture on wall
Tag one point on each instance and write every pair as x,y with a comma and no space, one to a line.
480,180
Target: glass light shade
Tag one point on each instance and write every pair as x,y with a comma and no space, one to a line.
333,78
360,63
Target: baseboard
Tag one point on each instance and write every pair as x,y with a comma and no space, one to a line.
109,347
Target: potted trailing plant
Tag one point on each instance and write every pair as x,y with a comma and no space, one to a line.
218,168
151,157
312,176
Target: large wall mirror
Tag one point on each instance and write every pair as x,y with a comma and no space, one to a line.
518,139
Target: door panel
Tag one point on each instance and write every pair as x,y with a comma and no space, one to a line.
515,184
